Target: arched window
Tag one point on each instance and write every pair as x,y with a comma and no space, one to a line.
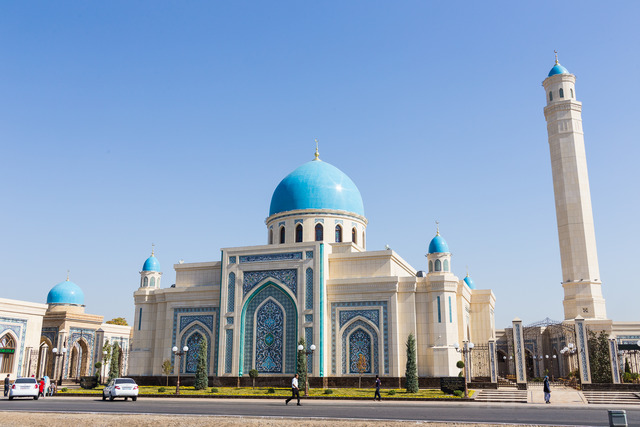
446,265
298,233
152,282
571,93
438,265
281,234
430,266
550,96
561,93
8,346
319,233
145,281
338,233
354,235
363,245
271,236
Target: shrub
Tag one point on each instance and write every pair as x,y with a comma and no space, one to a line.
64,389
214,390
162,390
460,364
328,391
270,390
202,376
253,374
391,392
458,393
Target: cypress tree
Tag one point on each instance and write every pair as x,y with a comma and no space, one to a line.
114,364
202,377
411,373
302,365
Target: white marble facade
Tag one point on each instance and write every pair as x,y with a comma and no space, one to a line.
314,279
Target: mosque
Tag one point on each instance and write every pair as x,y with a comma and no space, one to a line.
57,339
313,279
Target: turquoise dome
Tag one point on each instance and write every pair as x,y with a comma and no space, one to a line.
558,69
151,264
438,245
66,293
316,185
469,281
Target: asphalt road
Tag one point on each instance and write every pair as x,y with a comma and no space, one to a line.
591,415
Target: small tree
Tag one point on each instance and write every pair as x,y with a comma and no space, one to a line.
118,321
114,364
302,364
627,367
362,368
253,374
167,368
460,365
202,374
411,373
599,360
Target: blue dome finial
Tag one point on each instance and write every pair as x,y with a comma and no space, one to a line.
152,263
557,68
438,244
317,155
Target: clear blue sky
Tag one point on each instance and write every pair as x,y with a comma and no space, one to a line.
127,123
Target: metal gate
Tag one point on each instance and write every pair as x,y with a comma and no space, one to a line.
480,362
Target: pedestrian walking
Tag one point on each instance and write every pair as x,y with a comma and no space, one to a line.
53,388
7,384
547,390
377,394
295,391
41,389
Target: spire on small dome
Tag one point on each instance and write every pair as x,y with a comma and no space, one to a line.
556,52
317,154
67,275
153,247
437,227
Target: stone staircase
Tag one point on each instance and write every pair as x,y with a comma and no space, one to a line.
612,397
502,395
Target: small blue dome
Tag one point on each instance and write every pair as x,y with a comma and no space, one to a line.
558,69
66,293
438,245
469,281
316,185
151,264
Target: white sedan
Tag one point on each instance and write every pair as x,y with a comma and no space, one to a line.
121,387
25,387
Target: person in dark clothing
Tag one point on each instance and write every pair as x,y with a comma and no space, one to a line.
295,391
377,394
547,390
7,384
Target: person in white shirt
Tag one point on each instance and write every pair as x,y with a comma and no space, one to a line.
295,391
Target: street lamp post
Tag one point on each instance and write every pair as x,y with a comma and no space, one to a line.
56,355
465,349
178,354
312,348
567,351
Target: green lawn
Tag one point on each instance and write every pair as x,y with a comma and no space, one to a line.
281,392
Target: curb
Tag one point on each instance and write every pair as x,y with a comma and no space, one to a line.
204,396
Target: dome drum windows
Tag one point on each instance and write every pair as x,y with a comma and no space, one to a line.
561,93
354,236
550,96
299,233
271,236
282,235
438,265
319,231
338,233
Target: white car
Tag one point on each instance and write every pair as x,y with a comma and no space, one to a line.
25,387
121,387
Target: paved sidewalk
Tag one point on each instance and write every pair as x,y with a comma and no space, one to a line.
559,395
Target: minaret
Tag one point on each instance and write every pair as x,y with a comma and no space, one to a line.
150,274
580,272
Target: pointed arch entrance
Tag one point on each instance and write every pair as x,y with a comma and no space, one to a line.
79,360
268,331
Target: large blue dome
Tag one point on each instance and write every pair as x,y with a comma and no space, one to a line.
438,245
151,264
316,185
558,69
66,293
